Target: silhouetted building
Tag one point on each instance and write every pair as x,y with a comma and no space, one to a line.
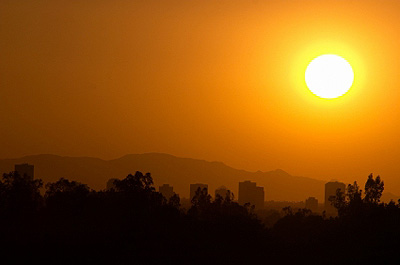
312,204
111,184
221,191
194,187
25,170
330,190
166,190
250,193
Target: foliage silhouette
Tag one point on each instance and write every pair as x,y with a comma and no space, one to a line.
135,183
351,202
19,195
373,189
66,196
134,224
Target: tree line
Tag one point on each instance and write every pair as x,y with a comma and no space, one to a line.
133,224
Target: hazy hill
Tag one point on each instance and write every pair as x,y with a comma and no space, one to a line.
179,172
387,197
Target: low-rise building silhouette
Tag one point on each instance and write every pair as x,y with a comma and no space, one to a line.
166,190
195,187
25,170
249,192
330,190
312,204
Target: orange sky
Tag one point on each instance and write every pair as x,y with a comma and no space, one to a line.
216,80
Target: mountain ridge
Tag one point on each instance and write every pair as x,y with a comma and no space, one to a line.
278,184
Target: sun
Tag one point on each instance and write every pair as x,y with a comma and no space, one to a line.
329,76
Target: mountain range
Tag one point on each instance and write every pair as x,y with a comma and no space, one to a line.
168,169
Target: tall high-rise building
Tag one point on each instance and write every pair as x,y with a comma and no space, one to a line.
25,170
249,192
312,204
195,187
330,190
221,191
166,190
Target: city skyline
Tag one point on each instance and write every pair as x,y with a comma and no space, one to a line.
248,193
179,172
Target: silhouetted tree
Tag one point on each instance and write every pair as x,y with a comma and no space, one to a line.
298,227
229,197
134,222
373,189
19,194
65,186
174,201
64,194
354,193
339,201
110,184
351,202
135,183
200,201
287,210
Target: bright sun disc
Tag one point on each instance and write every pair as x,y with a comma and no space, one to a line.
329,76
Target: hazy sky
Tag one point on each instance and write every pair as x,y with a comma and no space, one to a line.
216,80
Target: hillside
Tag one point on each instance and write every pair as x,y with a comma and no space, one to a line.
179,172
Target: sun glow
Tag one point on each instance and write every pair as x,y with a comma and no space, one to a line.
329,76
